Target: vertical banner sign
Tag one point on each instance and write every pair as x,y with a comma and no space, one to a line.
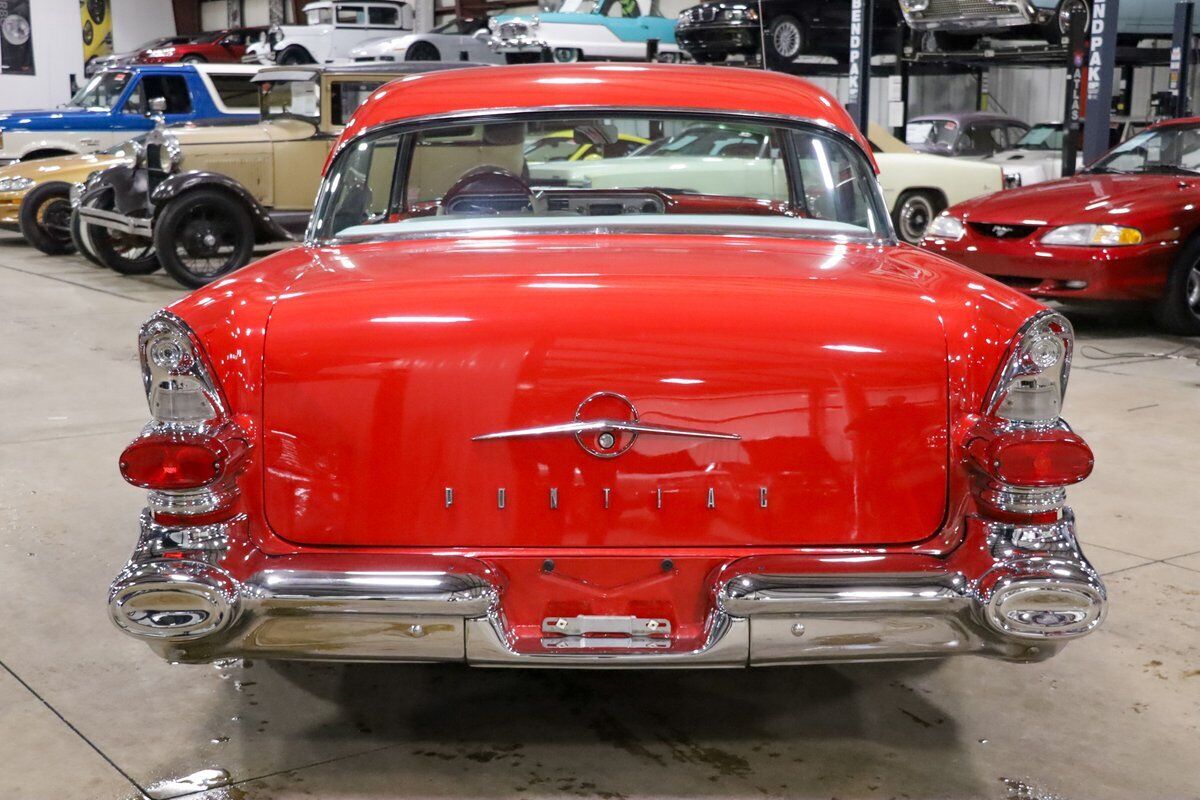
277,14
95,20
16,38
1074,112
858,93
234,13
1181,56
1102,62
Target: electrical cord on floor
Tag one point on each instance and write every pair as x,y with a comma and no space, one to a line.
1186,352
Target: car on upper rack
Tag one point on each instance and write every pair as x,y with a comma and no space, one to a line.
916,187
587,30
719,30
224,46
332,29
114,107
481,418
1126,228
100,63
965,21
196,200
458,39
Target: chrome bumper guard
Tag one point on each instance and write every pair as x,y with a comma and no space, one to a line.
112,220
1039,592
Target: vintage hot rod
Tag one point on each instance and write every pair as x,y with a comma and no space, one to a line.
479,419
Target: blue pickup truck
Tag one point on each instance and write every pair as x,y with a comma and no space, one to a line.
113,107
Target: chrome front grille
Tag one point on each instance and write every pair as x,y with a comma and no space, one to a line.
969,10
513,30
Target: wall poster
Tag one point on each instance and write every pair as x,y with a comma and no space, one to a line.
16,38
95,19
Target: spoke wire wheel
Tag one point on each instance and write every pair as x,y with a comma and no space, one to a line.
202,235
785,37
206,245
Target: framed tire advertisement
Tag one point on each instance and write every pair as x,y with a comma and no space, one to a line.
95,19
16,38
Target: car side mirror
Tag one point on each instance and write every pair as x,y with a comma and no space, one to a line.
483,34
158,105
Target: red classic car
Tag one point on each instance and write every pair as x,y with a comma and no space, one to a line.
1127,228
616,421
217,47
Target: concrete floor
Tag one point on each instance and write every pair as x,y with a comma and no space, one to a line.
86,712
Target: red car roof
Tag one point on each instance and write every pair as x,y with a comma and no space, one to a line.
654,86
1166,123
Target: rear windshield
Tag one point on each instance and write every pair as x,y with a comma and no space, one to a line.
710,173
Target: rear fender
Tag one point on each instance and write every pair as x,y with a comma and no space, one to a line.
177,185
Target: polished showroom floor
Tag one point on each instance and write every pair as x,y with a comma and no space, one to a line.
88,713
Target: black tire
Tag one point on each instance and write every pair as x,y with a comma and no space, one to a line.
1178,310
914,210
785,38
77,238
193,59
202,235
45,218
294,55
128,255
566,55
1059,26
422,51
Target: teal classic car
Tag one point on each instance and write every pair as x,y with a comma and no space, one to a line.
1138,18
592,30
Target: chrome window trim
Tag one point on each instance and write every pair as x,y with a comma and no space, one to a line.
886,236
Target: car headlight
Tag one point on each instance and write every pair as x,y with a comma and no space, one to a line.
915,5
1093,236
946,227
16,184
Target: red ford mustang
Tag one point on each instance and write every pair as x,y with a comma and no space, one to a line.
662,410
1128,228
218,47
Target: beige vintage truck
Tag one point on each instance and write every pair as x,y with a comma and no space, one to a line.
196,200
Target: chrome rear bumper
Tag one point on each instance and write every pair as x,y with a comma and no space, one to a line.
1038,593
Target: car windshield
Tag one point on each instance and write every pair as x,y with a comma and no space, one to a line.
102,92
1042,137
282,99
164,41
1174,149
468,176
931,132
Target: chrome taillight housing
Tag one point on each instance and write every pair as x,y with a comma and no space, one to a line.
191,452
1023,453
1029,389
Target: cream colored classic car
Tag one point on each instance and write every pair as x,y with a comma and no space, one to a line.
205,196
739,160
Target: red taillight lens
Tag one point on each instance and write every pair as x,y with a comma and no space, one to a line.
1051,457
171,461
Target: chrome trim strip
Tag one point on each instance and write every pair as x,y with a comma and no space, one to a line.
572,428
886,236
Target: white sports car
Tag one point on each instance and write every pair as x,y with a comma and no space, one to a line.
738,161
460,39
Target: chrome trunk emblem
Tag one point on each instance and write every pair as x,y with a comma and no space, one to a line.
610,432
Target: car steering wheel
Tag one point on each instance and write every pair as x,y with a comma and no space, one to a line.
488,191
